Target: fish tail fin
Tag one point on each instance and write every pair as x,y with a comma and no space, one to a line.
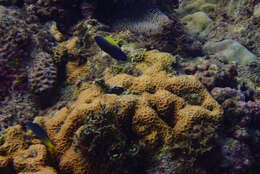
51,148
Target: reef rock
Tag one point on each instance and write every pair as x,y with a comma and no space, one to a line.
151,114
230,50
161,111
257,10
231,8
14,148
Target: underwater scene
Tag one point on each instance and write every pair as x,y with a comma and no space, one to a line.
129,86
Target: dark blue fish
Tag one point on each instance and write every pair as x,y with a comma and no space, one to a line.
108,45
41,134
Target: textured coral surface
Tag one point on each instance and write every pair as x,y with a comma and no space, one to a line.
149,114
43,74
160,110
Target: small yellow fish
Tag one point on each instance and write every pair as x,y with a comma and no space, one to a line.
110,46
42,135
51,148
112,41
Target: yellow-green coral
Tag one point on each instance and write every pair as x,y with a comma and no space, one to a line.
158,112
66,48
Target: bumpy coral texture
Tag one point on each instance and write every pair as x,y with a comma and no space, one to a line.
165,108
160,111
14,151
211,73
13,49
43,74
152,113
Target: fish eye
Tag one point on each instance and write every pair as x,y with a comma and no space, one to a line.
85,132
2,141
115,155
134,149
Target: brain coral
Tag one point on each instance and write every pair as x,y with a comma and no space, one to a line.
43,74
153,113
14,148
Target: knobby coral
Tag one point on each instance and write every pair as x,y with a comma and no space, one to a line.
153,113
13,49
43,74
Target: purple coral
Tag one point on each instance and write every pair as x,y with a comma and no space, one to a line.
240,127
236,156
212,75
165,165
13,51
242,102
43,74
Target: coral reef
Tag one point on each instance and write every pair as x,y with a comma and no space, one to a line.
236,20
149,114
154,115
17,110
163,166
101,137
237,155
196,22
239,104
211,72
155,61
13,50
250,37
25,160
59,11
240,127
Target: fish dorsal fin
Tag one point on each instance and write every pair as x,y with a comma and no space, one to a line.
111,41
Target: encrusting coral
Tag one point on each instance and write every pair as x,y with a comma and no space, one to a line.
14,149
151,114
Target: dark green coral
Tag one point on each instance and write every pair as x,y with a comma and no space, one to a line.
102,140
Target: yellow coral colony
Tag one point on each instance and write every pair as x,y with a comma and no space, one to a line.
159,109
